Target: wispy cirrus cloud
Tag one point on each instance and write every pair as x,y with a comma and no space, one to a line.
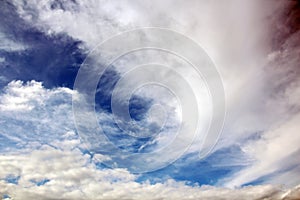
57,167
260,71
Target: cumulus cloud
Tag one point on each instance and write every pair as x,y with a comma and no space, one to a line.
57,168
31,113
50,173
260,71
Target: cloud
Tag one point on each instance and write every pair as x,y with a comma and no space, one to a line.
238,57
259,68
56,167
10,45
30,113
50,173
276,149
276,152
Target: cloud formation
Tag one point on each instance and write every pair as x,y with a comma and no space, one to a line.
30,113
66,173
260,71
57,168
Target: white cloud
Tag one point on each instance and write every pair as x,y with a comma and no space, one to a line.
238,56
277,150
30,113
261,86
57,169
72,175
7,44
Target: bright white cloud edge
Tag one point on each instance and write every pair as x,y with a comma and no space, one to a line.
71,173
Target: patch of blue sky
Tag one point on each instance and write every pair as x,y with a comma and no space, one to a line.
24,131
6,196
54,59
104,90
6,144
40,182
12,179
265,179
138,108
258,181
209,171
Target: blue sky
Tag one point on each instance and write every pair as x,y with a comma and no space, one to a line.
44,155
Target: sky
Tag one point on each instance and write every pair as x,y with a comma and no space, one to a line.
149,99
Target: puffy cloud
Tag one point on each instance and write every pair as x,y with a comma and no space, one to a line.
260,71
56,168
31,113
18,97
50,173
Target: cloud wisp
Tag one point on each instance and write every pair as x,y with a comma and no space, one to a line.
66,173
255,46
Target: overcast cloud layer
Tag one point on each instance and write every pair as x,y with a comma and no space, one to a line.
255,46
